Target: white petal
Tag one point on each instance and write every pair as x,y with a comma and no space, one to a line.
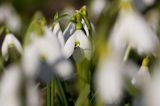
84,43
10,39
97,6
64,69
142,78
140,37
32,94
152,91
51,37
47,49
69,30
5,46
57,31
30,61
61,40
69,46
2,15
17,44
85,27
109,81
13,22
10,86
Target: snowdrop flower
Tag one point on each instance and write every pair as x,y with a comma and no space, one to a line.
142,77
58,32
109,80
45,47
10,41
10,86
132,29
10,18
80,40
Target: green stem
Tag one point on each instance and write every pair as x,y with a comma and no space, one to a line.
52,92
62,93
48,96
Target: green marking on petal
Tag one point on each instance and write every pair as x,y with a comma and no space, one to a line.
145,62
77,43
126,5
11,45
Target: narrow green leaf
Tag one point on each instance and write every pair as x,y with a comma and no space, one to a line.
48,96
83,96
61,91
52,92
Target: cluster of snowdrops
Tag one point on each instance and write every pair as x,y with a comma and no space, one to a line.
78,66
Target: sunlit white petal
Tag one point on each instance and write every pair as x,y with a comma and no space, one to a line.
10,84
109,81
97,6
8,40
69,46
85,27
32,94
84,43
57,31
141,78
30,61
64,69
13,22
152,91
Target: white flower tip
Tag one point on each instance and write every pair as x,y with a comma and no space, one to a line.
109,81
142,78
8,40
9,88
64,69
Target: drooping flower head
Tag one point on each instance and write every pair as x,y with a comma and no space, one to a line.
132,29
10,42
